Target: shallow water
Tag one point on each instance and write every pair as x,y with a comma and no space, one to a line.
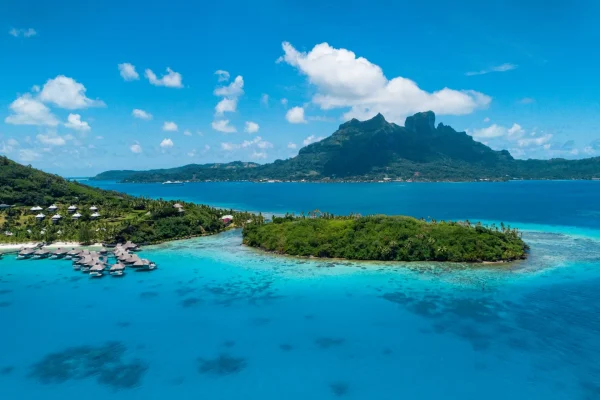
221,321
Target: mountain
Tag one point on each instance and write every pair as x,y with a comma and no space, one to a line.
376,149
122,217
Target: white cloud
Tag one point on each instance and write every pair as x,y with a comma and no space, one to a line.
74,122
135,148
258,155
498,68
223,126
169,126
29,111
226,105
192,153
251,127
295,115
206,148
589,150
312,139
526,100
486,119
99,137
66,92
128,72
22,32
515,131
12,142
228,146
534,141
284,102
8,146
234,89
141,114
291,145
249,143
497,131
187,133
170,79
166,143
222,76
344,80
27,155
257,141
51,140
263,144
264,100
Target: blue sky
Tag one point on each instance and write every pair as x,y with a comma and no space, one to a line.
514,74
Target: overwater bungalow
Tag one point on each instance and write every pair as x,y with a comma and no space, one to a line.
76,216
36,209
59,253
56,218
40,216
103,251
130,246
52,208
41,253
93,208
95,215
96,271
72,254
72,209
25,253
117,269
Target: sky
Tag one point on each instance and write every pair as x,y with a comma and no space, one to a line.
93,86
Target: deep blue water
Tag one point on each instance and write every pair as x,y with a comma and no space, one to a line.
220,321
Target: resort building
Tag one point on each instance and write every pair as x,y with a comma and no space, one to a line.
36,209
56,218
227,219
93,208
76,216
40,216
72,208
52,208
95,215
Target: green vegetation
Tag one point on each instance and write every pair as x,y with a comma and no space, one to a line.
375,150
386,238
123,217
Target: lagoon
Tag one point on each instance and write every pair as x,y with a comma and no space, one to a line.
221,321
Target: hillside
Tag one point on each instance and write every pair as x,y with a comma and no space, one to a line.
376,149
122,217
386,238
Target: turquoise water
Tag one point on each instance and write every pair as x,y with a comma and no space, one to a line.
220,321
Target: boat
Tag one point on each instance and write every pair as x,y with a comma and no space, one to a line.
25,254
179,183
117,269
41,253
96,271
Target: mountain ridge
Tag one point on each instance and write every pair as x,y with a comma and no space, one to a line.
376,149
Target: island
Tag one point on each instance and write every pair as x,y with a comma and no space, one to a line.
380,151
36,206
385,238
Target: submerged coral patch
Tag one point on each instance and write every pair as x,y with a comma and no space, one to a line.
339,388
224,364
327,342
105,363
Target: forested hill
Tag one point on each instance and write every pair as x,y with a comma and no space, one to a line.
377,149
121,217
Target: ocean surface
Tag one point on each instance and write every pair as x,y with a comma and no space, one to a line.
221,321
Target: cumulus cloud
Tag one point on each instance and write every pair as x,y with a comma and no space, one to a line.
234,89
27,155
259,155
141,114
166,143
312,139
226,105
223,126
135,148
74,122
496,131
534,140
222,76
295,115
67,93
128,72
29,111
284,102
27,33
8,146
256,142
171,79
169,126
187,133
291,145
344,80
51,140
498,68
251,127
264,100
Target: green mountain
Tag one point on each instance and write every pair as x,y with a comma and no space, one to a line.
377,149
122,217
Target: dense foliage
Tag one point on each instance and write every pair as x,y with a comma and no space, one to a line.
375,150
123,217
386,238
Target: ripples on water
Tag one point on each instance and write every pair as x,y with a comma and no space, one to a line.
221,321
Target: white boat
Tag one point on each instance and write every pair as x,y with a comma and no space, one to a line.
173,183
